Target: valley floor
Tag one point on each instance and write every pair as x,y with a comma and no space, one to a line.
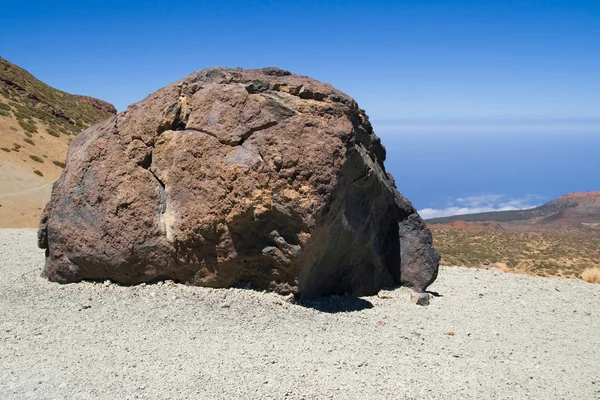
487,335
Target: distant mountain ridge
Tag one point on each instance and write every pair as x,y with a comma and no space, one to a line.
574,210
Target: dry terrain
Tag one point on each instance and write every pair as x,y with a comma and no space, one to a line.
37,123
560,238
563,254
488,335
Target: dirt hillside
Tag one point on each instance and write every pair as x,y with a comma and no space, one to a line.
37,123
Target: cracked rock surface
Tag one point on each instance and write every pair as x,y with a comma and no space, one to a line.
234,176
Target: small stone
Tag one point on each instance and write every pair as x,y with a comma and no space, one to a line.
289,298
385,294
225,305
421,299
278,162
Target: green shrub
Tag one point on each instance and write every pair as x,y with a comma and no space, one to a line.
38,172
31,142
13,128
52,132
20,114
4,113
29,126
28,134
4,106
17,145
6,150
58,164
37,159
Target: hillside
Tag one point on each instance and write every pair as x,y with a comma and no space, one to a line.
37,123
574,210
559,238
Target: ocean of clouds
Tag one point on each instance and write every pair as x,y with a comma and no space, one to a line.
481,203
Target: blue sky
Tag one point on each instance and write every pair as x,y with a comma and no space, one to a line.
479,75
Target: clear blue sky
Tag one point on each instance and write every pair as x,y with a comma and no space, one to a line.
399,59
429,64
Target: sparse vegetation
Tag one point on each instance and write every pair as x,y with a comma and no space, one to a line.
534,253
31,142
591,275
37,159
4,109
52,132
29,126
13,128
30,99
5,149
28,134
58,163
38,172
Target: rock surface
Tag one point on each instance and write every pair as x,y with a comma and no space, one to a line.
234,176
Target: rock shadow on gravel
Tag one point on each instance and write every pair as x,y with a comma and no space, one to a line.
336,304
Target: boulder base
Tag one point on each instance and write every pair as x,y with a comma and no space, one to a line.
234,176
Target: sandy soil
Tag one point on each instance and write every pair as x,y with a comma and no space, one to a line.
487,335
23,194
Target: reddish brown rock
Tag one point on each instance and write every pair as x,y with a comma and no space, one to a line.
236,176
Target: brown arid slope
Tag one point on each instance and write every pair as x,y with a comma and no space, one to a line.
579,211
37,123
559,238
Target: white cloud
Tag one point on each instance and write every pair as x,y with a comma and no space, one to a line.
482,203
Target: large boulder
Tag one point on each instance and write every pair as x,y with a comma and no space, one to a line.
234,176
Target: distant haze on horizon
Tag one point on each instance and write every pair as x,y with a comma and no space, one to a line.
481,105
450,172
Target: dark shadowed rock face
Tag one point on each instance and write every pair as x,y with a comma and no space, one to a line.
236,176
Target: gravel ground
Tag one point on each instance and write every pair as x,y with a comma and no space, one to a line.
488,335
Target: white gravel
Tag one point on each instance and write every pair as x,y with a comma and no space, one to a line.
514,337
